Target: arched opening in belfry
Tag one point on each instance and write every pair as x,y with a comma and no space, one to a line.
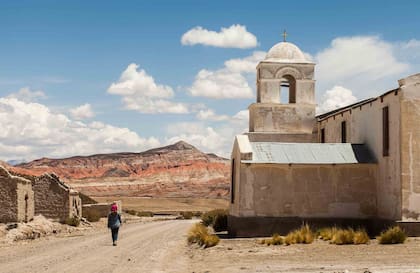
287,89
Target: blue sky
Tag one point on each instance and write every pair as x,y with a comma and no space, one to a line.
67,54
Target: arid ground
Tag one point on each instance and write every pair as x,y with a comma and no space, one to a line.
168,204
161,246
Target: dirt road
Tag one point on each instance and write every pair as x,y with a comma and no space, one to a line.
161,247
143,247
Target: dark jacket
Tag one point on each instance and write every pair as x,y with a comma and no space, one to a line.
114,220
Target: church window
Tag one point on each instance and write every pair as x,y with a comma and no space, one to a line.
232,186
287,89
385,131
343,132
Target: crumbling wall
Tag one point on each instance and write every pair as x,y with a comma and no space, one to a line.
16,198
103,209
52,198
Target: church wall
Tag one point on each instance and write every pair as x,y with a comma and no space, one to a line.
364,125
279,190
410,146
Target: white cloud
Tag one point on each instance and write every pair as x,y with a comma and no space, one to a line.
235,36
32,130
220,84
140,92
25,94
229,82
82,112
335,98
208,114
247,64
365,64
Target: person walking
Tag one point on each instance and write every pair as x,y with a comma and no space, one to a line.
114,223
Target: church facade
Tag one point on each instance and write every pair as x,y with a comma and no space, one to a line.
354,166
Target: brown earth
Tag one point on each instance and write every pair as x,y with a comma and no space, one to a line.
167,205
178,170
162,247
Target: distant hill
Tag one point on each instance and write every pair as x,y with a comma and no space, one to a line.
178,170
16,162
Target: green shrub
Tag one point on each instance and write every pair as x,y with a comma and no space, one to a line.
199,234
216,218
72,221
186,214
361,237
304,235
393,235
343,237
92,215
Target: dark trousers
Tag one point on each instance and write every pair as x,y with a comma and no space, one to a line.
114,232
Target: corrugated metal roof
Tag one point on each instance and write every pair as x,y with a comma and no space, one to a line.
309,153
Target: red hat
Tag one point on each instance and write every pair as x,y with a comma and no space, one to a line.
114,207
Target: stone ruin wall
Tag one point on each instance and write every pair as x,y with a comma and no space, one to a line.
16,198
54,199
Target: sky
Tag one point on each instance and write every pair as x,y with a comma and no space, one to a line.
89,77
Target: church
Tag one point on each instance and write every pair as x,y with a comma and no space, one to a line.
356,166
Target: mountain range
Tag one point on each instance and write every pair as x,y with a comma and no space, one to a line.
178,170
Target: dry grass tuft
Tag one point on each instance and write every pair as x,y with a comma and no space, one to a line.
304,235
393,235
276,239
199,234
327,233
343,237
361,237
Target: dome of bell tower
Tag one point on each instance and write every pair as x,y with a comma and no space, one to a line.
285,52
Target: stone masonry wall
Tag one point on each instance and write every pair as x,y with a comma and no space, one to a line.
52,197
16,198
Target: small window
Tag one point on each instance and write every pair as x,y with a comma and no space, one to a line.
323,135
343,132
232,183
385,131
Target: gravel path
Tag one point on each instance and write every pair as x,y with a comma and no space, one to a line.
143,247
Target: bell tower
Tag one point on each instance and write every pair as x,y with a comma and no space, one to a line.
285,74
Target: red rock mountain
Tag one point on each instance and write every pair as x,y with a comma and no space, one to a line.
178,170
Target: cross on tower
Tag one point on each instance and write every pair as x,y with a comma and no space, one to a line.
284,35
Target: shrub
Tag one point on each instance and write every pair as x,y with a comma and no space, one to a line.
145,214
393,235
276,239
326,234
131,212
343,237
92,216
304,235
197,214
186,214
72,221
199,234
361,237
216,218
220,222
